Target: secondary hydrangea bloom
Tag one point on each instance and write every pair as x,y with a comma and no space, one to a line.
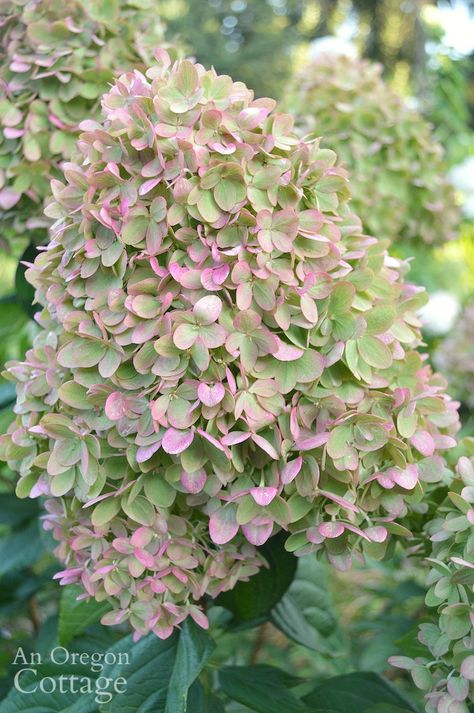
57,58
446,673
398,174
455,357
224,354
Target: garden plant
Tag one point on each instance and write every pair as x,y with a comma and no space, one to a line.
226,380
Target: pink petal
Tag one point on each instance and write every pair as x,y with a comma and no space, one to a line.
331,529
141,537
207,309
407,478
423,442
114,406
144,557
175,442
235,437
263,495
194,482
8,198
287,352
265,445
377,533
211,395
310,442
257,534
290,470
223,525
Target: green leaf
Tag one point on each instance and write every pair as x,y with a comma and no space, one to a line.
39,702
16,512
261,688
305,613
20,549
194,649
199,702
356,692
75,616
148,673
24,291
257,597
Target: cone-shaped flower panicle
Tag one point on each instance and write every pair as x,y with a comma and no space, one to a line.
223,355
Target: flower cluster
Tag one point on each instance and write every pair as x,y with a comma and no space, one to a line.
398,174
57,59
224,354
446,673
455,357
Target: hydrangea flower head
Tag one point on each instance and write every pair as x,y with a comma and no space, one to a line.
223,355
397,170
57,59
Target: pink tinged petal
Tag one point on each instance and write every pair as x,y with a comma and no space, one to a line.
141,537
265,445
122,545
287,352
257,534
194,482
376,533
290,470
185,335
356,531
331,529
310,442
207,309
407,478
144,557
314,536
175,442
346,504
223,525
263,495
211,395
115,406
444,442
385,479
144,453
470,516
235,437
8,198
199,617
423,442
217,444
467,668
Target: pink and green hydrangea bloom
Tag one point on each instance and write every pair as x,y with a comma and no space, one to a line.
224,354
396,165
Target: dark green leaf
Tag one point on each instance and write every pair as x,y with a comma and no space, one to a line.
261,688
305,613
356,692
25,292
20,549
39,702
75,616
257,597
15,512
194,649
148,673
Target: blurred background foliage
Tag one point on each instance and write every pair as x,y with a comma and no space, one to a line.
426,50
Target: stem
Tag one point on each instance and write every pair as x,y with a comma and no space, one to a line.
259,642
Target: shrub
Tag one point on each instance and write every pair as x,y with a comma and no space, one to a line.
398,182
224,355
455,357
57,59
446,670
